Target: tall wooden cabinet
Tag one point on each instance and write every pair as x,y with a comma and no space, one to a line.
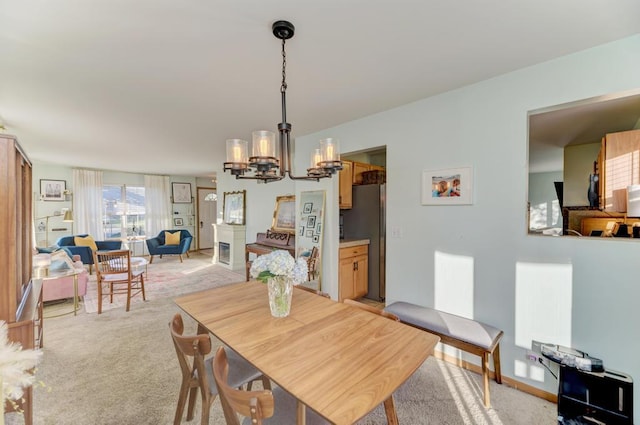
20,298
353,272
619,167
345,200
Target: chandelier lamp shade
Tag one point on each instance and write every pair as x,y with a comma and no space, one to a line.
271,161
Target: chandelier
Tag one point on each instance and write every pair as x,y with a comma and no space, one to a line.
268,162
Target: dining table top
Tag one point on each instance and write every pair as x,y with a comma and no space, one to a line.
337,359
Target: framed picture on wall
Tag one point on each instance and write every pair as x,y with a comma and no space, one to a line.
284,217
52,190
178,222
181,193
451,186
233,207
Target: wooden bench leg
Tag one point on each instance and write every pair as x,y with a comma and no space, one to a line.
496,364
390,410
485,378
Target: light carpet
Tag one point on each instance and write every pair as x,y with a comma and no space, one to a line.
164,278
121,368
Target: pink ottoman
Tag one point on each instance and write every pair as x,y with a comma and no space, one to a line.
62,287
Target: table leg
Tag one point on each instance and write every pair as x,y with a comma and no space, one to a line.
75,294
390,410
301,413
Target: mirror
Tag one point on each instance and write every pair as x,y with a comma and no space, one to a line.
309,237
570,188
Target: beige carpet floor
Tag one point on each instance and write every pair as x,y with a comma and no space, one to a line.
121,368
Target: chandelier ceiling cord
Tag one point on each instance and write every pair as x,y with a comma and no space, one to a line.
268,163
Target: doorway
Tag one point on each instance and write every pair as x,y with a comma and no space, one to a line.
207,207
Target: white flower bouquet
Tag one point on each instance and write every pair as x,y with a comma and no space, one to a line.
279,263
15,367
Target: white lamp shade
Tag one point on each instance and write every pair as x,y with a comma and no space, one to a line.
264,144
330,149
316,157
237,150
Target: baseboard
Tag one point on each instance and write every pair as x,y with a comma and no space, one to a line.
521,386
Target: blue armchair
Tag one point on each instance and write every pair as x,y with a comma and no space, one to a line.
157,245
85,253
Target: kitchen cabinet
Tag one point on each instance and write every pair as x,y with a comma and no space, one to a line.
345,181
619,168
361,167
353,272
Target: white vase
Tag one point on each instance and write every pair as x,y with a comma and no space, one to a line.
280,291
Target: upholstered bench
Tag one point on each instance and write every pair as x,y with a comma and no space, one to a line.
459,332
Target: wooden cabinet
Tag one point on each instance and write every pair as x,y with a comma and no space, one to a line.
345,177
358,169
20,298
353,272
361,167
619,168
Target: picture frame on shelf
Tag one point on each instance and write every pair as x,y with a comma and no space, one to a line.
233,205
181,193
52,190
450,186
284,216
178,221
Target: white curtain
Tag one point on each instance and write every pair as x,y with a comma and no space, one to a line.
157,203
87,203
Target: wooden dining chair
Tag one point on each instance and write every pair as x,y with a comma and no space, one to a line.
267,407
371,309
196,371
389,404
313,291
114,273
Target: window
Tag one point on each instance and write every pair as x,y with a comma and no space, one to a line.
123,211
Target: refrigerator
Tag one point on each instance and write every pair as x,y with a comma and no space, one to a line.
366,220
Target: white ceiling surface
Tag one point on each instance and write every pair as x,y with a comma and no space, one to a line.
157,86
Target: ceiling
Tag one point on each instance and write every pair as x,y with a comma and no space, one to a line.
157,86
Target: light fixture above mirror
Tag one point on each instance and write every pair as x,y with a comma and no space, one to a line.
270,161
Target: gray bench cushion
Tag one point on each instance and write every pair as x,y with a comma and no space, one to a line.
457,327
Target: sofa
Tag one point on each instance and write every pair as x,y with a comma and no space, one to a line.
158,245
62,287
85,252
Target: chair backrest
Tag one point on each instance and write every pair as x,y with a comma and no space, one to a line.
113,263
183,234
313,291
191,351
257,405
371,309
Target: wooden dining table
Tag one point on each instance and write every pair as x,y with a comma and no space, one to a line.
337,359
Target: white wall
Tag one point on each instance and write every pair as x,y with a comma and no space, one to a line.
525,285
570,291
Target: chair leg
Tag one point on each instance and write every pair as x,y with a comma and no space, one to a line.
150,258
144,297
99,297
496,364
192,403
187,254
180,255
182,398
485,378
128,295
